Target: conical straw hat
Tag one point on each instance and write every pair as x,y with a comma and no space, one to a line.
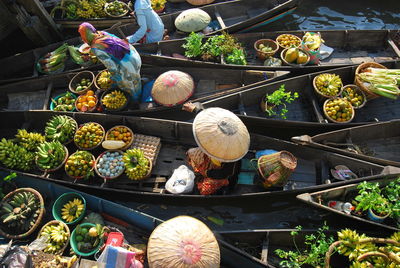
183,241
221,134
172,88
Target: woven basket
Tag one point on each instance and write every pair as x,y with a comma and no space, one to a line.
97,160
333,120
359,91
57,167
116,16
127,145
123,107
77,78
323,96
38,220
283,47
276,168
89,110
199,2
95,81
369,94
54,222
268,42
80,177
94,147
283,53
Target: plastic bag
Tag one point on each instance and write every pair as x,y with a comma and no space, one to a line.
118,257
181,181
16,257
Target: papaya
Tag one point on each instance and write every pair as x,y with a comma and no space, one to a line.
291,55
302,58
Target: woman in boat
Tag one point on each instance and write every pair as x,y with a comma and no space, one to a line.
151,27
223,140
120,58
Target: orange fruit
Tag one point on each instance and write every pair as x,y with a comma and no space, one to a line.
82,98
91,98
90,93
91,103
79,106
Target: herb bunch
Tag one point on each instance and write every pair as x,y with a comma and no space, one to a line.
277,98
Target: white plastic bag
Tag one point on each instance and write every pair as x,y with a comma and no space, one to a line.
181,181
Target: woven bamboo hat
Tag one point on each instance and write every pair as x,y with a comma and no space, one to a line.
172,88
183,241
221,134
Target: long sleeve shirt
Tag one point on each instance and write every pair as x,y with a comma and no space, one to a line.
149,22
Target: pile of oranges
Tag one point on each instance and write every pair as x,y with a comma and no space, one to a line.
120,133
86,102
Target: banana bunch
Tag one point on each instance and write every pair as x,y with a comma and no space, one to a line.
312,40
98,7
50,155
114,100
58,262
29,140
328,84
15,156
60,128
57,237
54,60
136,164
72,210
104,80
350,246
21,212
85,10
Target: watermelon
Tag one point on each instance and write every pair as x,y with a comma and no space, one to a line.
192,20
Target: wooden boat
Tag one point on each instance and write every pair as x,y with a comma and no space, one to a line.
132,222
377,143
304,114
231,16
234,15
345,193
350,47
312,172
37,93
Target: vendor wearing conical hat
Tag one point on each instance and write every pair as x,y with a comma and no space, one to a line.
223,140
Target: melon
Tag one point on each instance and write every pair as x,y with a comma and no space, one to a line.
192,20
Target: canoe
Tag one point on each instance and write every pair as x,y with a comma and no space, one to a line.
123,218
320,199
312,172
235,14
304,113
230,16
377,143
36,93
350,47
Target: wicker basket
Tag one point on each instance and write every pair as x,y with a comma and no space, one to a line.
97,145
123,107
199,2
116,16
283,53
59,166
284,47
276,168
89,110
127,145
77,78
323,96
54,222
268,42
359,91
369,94
80,177
38,219
333,120
97,160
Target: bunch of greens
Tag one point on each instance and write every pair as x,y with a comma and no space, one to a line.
371,196
316,245
236,57
383,82
279,97
193,45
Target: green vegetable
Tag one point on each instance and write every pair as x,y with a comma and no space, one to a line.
236,57
193,45
383,82
279,97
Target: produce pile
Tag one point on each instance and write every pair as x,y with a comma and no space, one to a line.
339,109
58,236
86,102
50,155
72,210
215,46
83,84
60,128
20,212
328,84
116,8
53,61
120,134
81,58
110,164
89,135
104,81
80,164
114,100
136,164
88,239
383,82
355,97
295,55
65,103
288,40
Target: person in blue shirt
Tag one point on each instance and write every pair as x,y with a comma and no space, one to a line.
151,27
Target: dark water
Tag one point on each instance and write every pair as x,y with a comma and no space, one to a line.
340,14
